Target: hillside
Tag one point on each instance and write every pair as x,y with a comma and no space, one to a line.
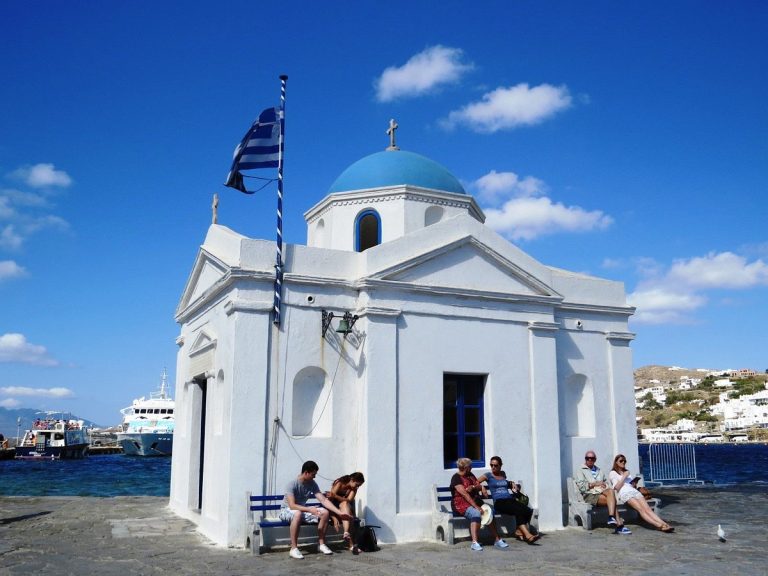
692,404
664,374
9,417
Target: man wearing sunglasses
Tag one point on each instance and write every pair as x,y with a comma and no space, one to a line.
596,491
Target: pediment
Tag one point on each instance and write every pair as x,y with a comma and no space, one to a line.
468,265
203,342
206,273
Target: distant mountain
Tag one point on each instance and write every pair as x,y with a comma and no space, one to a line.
9,417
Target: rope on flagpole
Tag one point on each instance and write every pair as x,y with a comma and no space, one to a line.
280,162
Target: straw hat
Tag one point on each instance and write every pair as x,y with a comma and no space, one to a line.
486,515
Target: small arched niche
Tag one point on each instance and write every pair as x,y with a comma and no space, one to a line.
579,405
312,412
433,215
320,234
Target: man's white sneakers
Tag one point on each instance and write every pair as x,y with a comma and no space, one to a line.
296,554
324,549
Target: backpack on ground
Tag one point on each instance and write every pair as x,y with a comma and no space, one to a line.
368,541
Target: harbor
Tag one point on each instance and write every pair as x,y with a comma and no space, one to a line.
140,535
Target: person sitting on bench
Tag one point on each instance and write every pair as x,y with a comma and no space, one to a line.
619,477
596,490
342,493
294,508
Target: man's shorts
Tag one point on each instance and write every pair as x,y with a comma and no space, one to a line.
286,515
592,498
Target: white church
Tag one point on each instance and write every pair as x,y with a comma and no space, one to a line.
460,344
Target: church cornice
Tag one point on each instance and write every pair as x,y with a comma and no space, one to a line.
214,292
391,194
601,308
460,293
620,336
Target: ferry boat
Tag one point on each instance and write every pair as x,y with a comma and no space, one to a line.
53,438
148,424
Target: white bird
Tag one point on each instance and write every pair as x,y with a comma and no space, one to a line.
720,533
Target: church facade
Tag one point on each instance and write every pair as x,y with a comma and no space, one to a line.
460,344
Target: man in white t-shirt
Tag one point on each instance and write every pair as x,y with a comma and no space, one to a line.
294,508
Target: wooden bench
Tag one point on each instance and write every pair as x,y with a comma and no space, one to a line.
264,529
447,527
580,513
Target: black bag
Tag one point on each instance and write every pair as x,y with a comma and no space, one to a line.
368,542
520,497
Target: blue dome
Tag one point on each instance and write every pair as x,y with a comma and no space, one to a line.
396,168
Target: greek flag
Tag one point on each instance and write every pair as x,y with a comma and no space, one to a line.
259,148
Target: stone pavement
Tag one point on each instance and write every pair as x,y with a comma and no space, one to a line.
140,536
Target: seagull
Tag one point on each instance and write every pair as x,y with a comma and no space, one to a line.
720,533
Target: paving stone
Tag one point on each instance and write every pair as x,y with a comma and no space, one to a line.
140,536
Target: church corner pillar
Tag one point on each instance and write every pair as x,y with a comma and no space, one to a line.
545,424
379,421
623,412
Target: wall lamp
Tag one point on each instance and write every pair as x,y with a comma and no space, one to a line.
345,322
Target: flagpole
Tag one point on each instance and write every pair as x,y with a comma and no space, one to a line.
280,162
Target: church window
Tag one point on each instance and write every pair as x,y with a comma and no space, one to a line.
463,421
367,230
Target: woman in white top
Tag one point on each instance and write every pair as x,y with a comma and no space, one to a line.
621,481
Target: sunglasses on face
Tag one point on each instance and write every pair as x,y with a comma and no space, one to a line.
590,457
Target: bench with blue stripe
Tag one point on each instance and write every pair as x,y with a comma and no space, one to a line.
447,527
264,529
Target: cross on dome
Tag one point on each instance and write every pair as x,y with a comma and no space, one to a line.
391,131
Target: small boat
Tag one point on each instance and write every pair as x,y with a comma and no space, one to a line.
148,424
54,438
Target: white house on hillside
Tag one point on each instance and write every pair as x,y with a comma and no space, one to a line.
464,346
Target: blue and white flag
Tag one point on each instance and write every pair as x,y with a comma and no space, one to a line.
260,148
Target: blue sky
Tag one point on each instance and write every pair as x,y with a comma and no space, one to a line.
628,141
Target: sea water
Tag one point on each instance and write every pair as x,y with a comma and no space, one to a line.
102,475
120,475
722,464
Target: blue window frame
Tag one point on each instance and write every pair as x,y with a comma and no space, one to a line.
367,230
463,419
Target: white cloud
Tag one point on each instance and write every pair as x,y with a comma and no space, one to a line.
43,222
58,392
612,263
9,269
10,403
10,239
661,305
519,209
6,210
427,70
497,185
507,108
723,270
12,197
670,295
528,218
23,213
15,348
42,176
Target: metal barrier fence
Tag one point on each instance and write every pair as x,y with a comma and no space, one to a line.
672,462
